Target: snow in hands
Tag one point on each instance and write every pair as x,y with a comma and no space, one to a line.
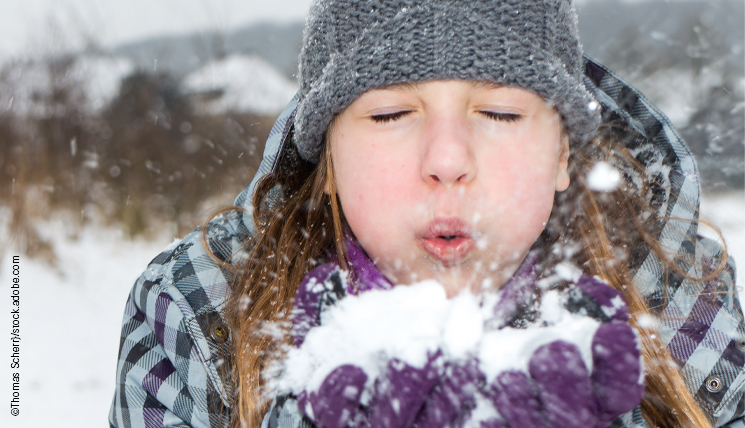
410,356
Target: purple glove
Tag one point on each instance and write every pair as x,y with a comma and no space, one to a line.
326,284
558,390
337,402
400,393
398,397
320,289
453,396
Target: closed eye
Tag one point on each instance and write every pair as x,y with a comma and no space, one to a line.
502,117
388,117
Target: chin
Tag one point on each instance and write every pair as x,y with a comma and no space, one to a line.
456,281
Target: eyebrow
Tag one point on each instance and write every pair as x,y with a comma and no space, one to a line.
485,84
405,85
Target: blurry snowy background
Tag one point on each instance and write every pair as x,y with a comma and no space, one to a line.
123,123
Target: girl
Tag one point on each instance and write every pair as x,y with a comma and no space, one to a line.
460,142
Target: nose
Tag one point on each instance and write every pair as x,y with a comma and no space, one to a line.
448,153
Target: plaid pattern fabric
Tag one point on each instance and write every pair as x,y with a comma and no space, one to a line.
701,322
170,357
170,351
285,413
274,143
168,372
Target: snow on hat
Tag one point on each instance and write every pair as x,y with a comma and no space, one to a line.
352,46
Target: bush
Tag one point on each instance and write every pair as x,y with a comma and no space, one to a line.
146,161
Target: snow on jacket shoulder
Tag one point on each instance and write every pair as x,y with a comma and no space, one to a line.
169,372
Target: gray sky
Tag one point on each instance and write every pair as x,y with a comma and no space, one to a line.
48,25
43,26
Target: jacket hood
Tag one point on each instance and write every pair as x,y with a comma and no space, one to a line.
666,157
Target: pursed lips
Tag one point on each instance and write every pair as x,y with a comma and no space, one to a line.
448,240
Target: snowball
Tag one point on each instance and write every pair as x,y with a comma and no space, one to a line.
411,323
483,412
603,177
406,322
567,271
511,349
464,327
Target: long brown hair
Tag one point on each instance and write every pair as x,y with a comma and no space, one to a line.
613,228
298,219
294,232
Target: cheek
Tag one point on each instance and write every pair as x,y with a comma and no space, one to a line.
520,175
520,188
375,190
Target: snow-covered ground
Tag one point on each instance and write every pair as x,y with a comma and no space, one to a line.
726,211
71,315
70,319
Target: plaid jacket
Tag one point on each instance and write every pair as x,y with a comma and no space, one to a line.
173,337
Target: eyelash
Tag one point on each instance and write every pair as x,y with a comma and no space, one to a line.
502,117
381,118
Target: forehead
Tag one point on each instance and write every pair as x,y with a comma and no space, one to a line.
438,91
474,84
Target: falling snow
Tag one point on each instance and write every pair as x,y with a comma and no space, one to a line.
603,177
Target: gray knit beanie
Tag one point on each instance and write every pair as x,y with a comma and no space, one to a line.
352,46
